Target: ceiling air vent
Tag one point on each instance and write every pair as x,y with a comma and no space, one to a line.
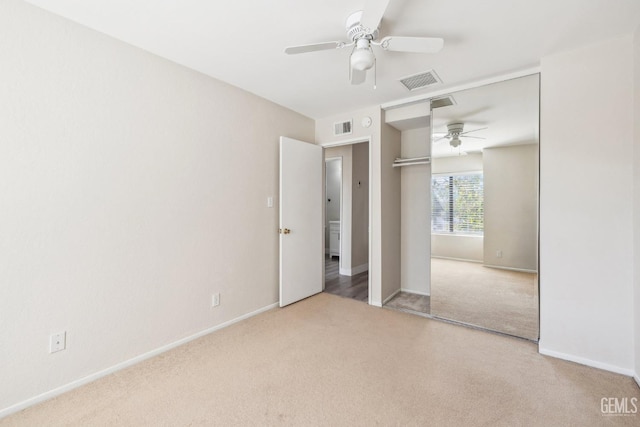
342,128
419,81
442,101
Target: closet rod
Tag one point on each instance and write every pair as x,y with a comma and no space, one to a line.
420,162
413,161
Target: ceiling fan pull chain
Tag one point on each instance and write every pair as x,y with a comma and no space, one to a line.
350,55
375,73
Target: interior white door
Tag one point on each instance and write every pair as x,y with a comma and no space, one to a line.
301,227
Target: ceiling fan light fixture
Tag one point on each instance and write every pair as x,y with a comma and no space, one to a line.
362,57
362,28
455,142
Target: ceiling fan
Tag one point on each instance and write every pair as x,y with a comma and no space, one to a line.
455,132
362,30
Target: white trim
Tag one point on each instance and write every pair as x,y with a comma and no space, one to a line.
411,291
447,91
637,378
457,234
359,269
522,270
122,365
391,296
457,259
584,361
471,172
351,141
371,301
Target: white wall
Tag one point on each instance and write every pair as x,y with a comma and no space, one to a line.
132,189
457,164
586,205
457,246
511,206
415,213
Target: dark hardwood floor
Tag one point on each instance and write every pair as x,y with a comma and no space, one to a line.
355,287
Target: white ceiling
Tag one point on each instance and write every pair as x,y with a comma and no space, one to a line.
242,41
506,112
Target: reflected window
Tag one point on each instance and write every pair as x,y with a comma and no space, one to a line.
457,203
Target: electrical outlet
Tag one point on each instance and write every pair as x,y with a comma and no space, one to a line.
498,254
215,300
57,342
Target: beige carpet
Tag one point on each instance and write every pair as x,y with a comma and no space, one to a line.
500,300
338,362
411,303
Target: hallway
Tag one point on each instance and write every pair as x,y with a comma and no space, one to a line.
354,287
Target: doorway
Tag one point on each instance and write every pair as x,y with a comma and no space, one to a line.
346,210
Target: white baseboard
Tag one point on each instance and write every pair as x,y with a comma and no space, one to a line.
391,296
457,259
122,365
587,362
500,267
521,270
355,270
411,291
360,269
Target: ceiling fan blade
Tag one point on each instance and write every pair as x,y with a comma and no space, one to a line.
441,138
293,50
412,44
358,77
474,130
372,13
469,136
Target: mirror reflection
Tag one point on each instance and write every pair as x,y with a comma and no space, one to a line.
484,207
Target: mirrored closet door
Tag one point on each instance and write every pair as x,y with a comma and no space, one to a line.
484,207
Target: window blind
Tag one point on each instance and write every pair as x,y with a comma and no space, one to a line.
457,204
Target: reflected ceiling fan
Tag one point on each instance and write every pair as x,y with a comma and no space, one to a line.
362,30
455,132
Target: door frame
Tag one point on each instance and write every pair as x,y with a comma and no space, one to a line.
353,141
